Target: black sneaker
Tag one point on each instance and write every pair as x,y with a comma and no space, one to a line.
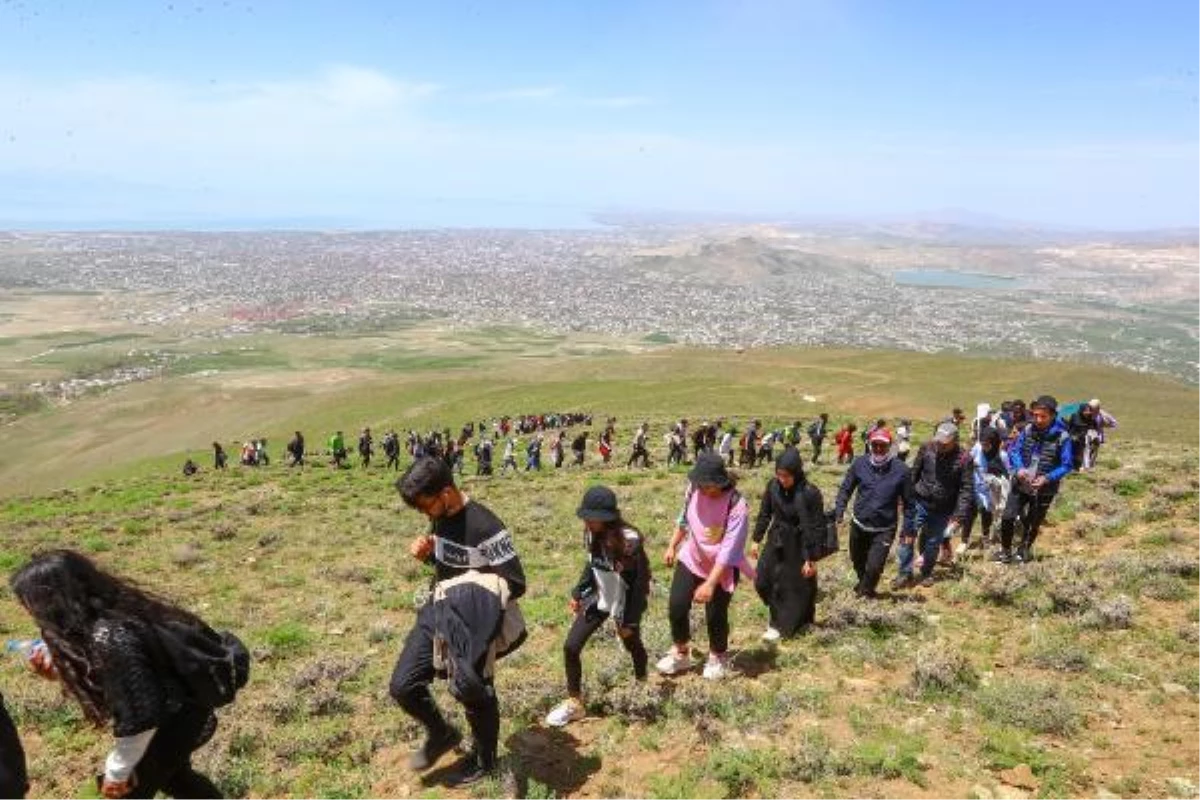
927,581
468,772
1002,557
433,748
902,581
1022,556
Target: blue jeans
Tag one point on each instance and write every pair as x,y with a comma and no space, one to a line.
935,530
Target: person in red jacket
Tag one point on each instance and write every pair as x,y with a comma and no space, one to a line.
845,443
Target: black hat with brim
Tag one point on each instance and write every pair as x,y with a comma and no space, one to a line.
709,470
600,504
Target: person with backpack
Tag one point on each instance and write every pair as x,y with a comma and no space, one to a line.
533,453
483,457
879,484
990,474
366,448
707,551
816,436
640,452
466,540
337,449
943,482
391,449
725,448
151,668
615,585
792,520
295,449
579,448
1040,458
14,776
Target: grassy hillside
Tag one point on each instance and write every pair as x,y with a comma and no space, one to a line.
1077,673
429,377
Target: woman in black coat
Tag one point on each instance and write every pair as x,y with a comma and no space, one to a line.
791,518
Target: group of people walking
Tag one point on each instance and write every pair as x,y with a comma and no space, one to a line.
156,672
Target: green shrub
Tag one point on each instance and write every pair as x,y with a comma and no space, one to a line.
939,670
1025,703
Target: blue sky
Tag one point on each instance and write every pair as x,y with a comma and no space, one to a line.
385,113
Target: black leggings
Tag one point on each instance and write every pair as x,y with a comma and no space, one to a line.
587,623
13,779
716,610
166,765
410,688
985,518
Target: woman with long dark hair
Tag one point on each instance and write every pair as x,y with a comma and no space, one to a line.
112,645
791,518
615,585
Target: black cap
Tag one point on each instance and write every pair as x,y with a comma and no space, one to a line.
1047,402
599,503
709,470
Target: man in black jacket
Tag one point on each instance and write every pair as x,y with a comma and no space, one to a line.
464,536
942,483
882,486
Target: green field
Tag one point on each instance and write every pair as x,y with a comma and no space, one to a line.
1076,675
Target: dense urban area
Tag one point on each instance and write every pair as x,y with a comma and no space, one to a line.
1130,304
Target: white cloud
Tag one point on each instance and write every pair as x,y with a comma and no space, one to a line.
349,140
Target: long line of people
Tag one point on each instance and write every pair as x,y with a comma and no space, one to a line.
156,671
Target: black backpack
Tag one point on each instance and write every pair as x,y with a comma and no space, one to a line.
210,666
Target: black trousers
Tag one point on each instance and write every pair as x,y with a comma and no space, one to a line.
1031,509
587,623
14,781
868,554
639,453
166,765
790,598
816,446
716,610
985,518
410,688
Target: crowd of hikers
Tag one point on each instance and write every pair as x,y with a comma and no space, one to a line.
156,672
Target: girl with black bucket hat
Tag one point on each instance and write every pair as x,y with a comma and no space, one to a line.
708,553
615,585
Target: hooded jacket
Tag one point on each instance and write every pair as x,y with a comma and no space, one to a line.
792,520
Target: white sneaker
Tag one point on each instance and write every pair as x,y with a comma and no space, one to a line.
565,713
716,668
771,636
673,663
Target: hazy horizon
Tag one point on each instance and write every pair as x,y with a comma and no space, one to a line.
531,116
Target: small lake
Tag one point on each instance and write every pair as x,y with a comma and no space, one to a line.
952,279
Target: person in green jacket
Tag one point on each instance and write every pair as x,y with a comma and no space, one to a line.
337,449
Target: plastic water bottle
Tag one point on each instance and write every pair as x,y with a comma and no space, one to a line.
24,648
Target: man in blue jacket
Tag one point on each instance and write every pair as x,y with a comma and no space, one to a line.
1041,457
881,481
